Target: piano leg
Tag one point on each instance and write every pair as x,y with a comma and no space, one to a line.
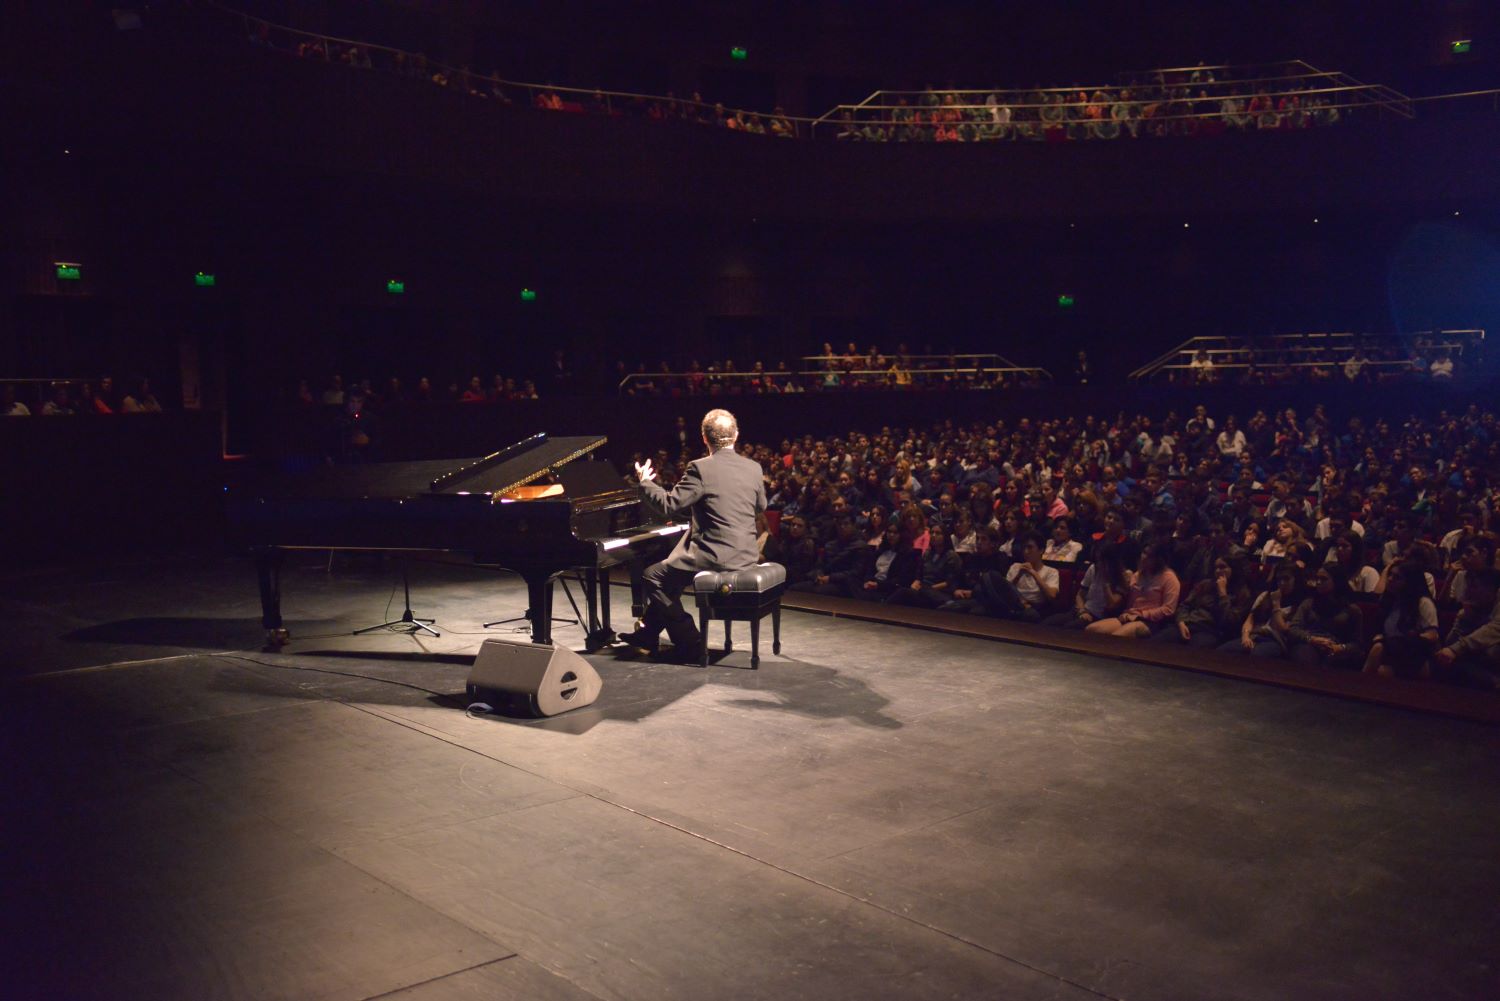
539,597
596,591
268,570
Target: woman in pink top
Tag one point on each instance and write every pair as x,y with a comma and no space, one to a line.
1152,601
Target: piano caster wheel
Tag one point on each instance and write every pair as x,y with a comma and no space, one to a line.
277,638
776,648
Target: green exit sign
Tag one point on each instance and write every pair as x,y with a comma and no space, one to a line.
204,280
528,295
68,272
1065,300
395,287
1462,46
739,52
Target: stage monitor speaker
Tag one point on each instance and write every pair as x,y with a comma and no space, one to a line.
546,679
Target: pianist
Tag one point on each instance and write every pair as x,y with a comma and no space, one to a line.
721,494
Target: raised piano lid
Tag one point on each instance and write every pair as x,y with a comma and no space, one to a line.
516,465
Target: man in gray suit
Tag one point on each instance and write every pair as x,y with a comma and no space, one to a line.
722,493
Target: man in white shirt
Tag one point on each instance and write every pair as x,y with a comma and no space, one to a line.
1026,589
1442,367
1331,526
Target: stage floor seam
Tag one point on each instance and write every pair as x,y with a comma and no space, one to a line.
444,976
865,901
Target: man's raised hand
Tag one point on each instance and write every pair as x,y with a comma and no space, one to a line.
644,472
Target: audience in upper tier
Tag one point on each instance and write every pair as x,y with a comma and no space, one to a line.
64,398
1310,359
1354,546
1161,104
831,370
1196,102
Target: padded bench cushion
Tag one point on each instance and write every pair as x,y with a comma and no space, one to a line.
752,580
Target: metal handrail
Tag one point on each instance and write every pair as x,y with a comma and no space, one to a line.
1455,340
1371,362
822,373
1116,89
1113,99
456,72
948,356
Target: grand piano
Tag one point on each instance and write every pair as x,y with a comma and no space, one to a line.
542,507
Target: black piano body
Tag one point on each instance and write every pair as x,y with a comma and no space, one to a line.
541,507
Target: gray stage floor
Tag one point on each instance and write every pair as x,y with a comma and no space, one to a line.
876,813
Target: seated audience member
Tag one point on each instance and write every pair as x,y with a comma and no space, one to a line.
1152,600
913,524
942,569
1408,628
1476,556
1337,521
1283,505
974,567
87,401
1025,590
1010,535
894,565
140,400
1062,548
1263,633
843,559
1050,503
1113,530
1212,610
1231,440
9,405
1326,627
1403,534
1101,593
1468,528
794,549
475,392
1347,559
1418,557
60,404
1286,543
1471,652
104,399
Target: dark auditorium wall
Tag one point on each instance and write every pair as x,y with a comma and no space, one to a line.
305,186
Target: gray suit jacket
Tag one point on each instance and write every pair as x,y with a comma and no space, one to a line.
722,493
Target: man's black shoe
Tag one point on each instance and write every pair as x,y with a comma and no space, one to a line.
684,654
641,640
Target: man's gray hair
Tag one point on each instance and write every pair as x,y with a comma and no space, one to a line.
720,429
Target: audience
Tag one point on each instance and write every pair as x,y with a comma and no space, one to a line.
1334,547
1154,105
1158,105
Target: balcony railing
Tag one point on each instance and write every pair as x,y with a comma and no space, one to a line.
576,100
1156,103
1177,101
1207,357
838,373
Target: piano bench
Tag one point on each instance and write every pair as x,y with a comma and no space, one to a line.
741,596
